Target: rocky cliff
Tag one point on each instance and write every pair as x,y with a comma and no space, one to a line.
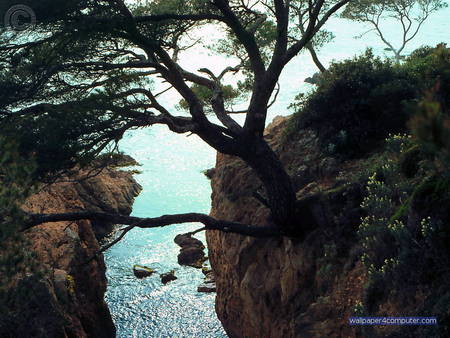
377,243
283,287
67,295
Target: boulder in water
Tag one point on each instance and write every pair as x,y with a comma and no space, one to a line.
168,277
142,271
191,252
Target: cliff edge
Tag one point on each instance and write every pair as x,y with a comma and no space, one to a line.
67,295
281,287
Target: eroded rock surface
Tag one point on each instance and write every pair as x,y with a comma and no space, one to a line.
283,287
192,251
209,283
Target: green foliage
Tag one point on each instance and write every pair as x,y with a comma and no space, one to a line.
169,32
360,10
356,105
430,67
405,234
359,102
409,161
55,113
115,159
405,254
430,124
16,185
265,33
205,95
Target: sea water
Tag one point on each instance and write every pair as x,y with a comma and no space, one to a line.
173,182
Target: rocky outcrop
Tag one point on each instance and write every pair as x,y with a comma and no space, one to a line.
192,251
285,287
141,272
168,277
209,283
66,299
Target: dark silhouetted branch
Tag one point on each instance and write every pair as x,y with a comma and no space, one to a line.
162,221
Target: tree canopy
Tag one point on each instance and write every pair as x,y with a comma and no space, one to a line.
86,74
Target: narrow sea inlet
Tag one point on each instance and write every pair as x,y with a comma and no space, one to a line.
173,182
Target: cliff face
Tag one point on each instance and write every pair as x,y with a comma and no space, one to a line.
283,287
67,300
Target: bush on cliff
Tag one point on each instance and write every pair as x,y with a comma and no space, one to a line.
15,186
430,66
405,235
430,124
405,241
359,102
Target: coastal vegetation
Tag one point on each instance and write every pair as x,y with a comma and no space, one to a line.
405,172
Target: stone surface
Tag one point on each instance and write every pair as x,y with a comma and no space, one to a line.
207,288
168,277
192,251
68,299
142,271
209,282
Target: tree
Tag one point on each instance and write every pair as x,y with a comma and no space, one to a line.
86,74
411,14
300,16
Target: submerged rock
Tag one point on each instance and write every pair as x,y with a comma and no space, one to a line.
206,270
207,288
168,277
186,240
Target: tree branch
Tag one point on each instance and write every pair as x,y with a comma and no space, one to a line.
176,76
157,222
313,27
246,38
315,58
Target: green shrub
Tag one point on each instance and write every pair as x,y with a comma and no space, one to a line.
405,236
430,127
428,67
15,186
358,103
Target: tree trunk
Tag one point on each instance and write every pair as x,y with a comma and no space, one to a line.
277,183
316,58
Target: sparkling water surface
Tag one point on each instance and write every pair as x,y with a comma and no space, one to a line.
173,182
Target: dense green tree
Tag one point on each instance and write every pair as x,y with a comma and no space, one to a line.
410,15
85,75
